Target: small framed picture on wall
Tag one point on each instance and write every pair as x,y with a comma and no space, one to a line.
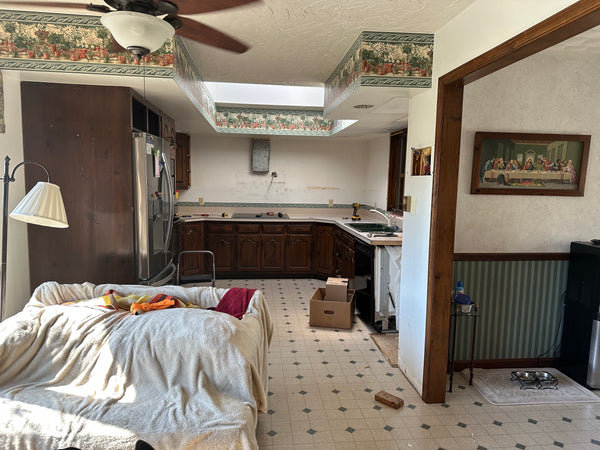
421,161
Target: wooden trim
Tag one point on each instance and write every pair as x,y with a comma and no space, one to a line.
505,363
511,257
569,22
441,248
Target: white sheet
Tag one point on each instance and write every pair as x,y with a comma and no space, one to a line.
95,379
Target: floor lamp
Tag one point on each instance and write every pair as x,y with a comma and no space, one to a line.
43,205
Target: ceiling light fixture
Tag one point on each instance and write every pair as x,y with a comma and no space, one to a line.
137,32
363,106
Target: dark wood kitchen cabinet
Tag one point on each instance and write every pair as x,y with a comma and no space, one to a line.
83,135
260,247
272,243
167,131
191,237
248,247
299,249
182,162
344,254
221,240
323,249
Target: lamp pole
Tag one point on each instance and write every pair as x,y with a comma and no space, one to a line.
6,179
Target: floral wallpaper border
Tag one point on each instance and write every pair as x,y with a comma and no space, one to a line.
190,81
72,43
80,44
272,121
381,59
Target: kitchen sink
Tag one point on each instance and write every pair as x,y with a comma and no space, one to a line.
364,227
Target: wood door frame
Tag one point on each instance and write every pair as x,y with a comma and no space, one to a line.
573,20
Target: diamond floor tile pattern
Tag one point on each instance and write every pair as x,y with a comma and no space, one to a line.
322,383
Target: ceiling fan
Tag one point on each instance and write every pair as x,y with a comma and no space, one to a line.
136,25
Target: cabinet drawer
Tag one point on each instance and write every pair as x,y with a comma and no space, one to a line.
300,228
214,228
246,228
273,228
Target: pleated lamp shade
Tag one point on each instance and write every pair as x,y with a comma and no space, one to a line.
43,205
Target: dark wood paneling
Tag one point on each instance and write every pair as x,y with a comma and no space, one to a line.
569,22
82,134
506,363
511,256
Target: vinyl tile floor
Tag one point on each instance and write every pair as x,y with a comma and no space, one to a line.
322,384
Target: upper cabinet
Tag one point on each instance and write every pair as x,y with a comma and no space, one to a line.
182,162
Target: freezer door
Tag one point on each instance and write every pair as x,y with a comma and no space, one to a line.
154,208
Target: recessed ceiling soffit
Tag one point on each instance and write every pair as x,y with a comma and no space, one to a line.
80,44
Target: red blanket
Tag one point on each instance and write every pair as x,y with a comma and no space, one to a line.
235,301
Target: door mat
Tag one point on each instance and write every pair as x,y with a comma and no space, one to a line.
497,388
388,344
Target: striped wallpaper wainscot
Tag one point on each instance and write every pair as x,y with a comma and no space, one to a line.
520,302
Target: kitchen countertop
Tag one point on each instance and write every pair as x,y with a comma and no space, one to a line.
337,216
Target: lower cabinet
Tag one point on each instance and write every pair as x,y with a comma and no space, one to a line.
191,237
221,240
272,248
252,248
299,249
323,249
344,256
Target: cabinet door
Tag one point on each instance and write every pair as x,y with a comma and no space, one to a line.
182,162
272,254
224,248
298,253
344,254
323,255
248,253
192,238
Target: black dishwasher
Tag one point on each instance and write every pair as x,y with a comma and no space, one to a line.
364,289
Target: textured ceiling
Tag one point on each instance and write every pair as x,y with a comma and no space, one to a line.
300,42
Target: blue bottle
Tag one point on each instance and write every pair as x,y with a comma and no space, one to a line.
460,288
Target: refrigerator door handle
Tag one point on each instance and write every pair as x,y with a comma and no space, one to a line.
167,174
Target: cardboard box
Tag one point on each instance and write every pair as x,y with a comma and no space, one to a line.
325,313
336,289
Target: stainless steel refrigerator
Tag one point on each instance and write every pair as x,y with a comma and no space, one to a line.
153,179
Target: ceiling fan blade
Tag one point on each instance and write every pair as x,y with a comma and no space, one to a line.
206,35
199,7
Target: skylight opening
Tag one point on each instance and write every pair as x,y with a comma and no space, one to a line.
267,94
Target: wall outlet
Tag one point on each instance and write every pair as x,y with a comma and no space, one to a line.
201,201
330,203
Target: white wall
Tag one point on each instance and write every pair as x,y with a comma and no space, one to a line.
482,26
546,93
11,142
310,170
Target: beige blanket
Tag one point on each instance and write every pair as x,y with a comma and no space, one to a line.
91,378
